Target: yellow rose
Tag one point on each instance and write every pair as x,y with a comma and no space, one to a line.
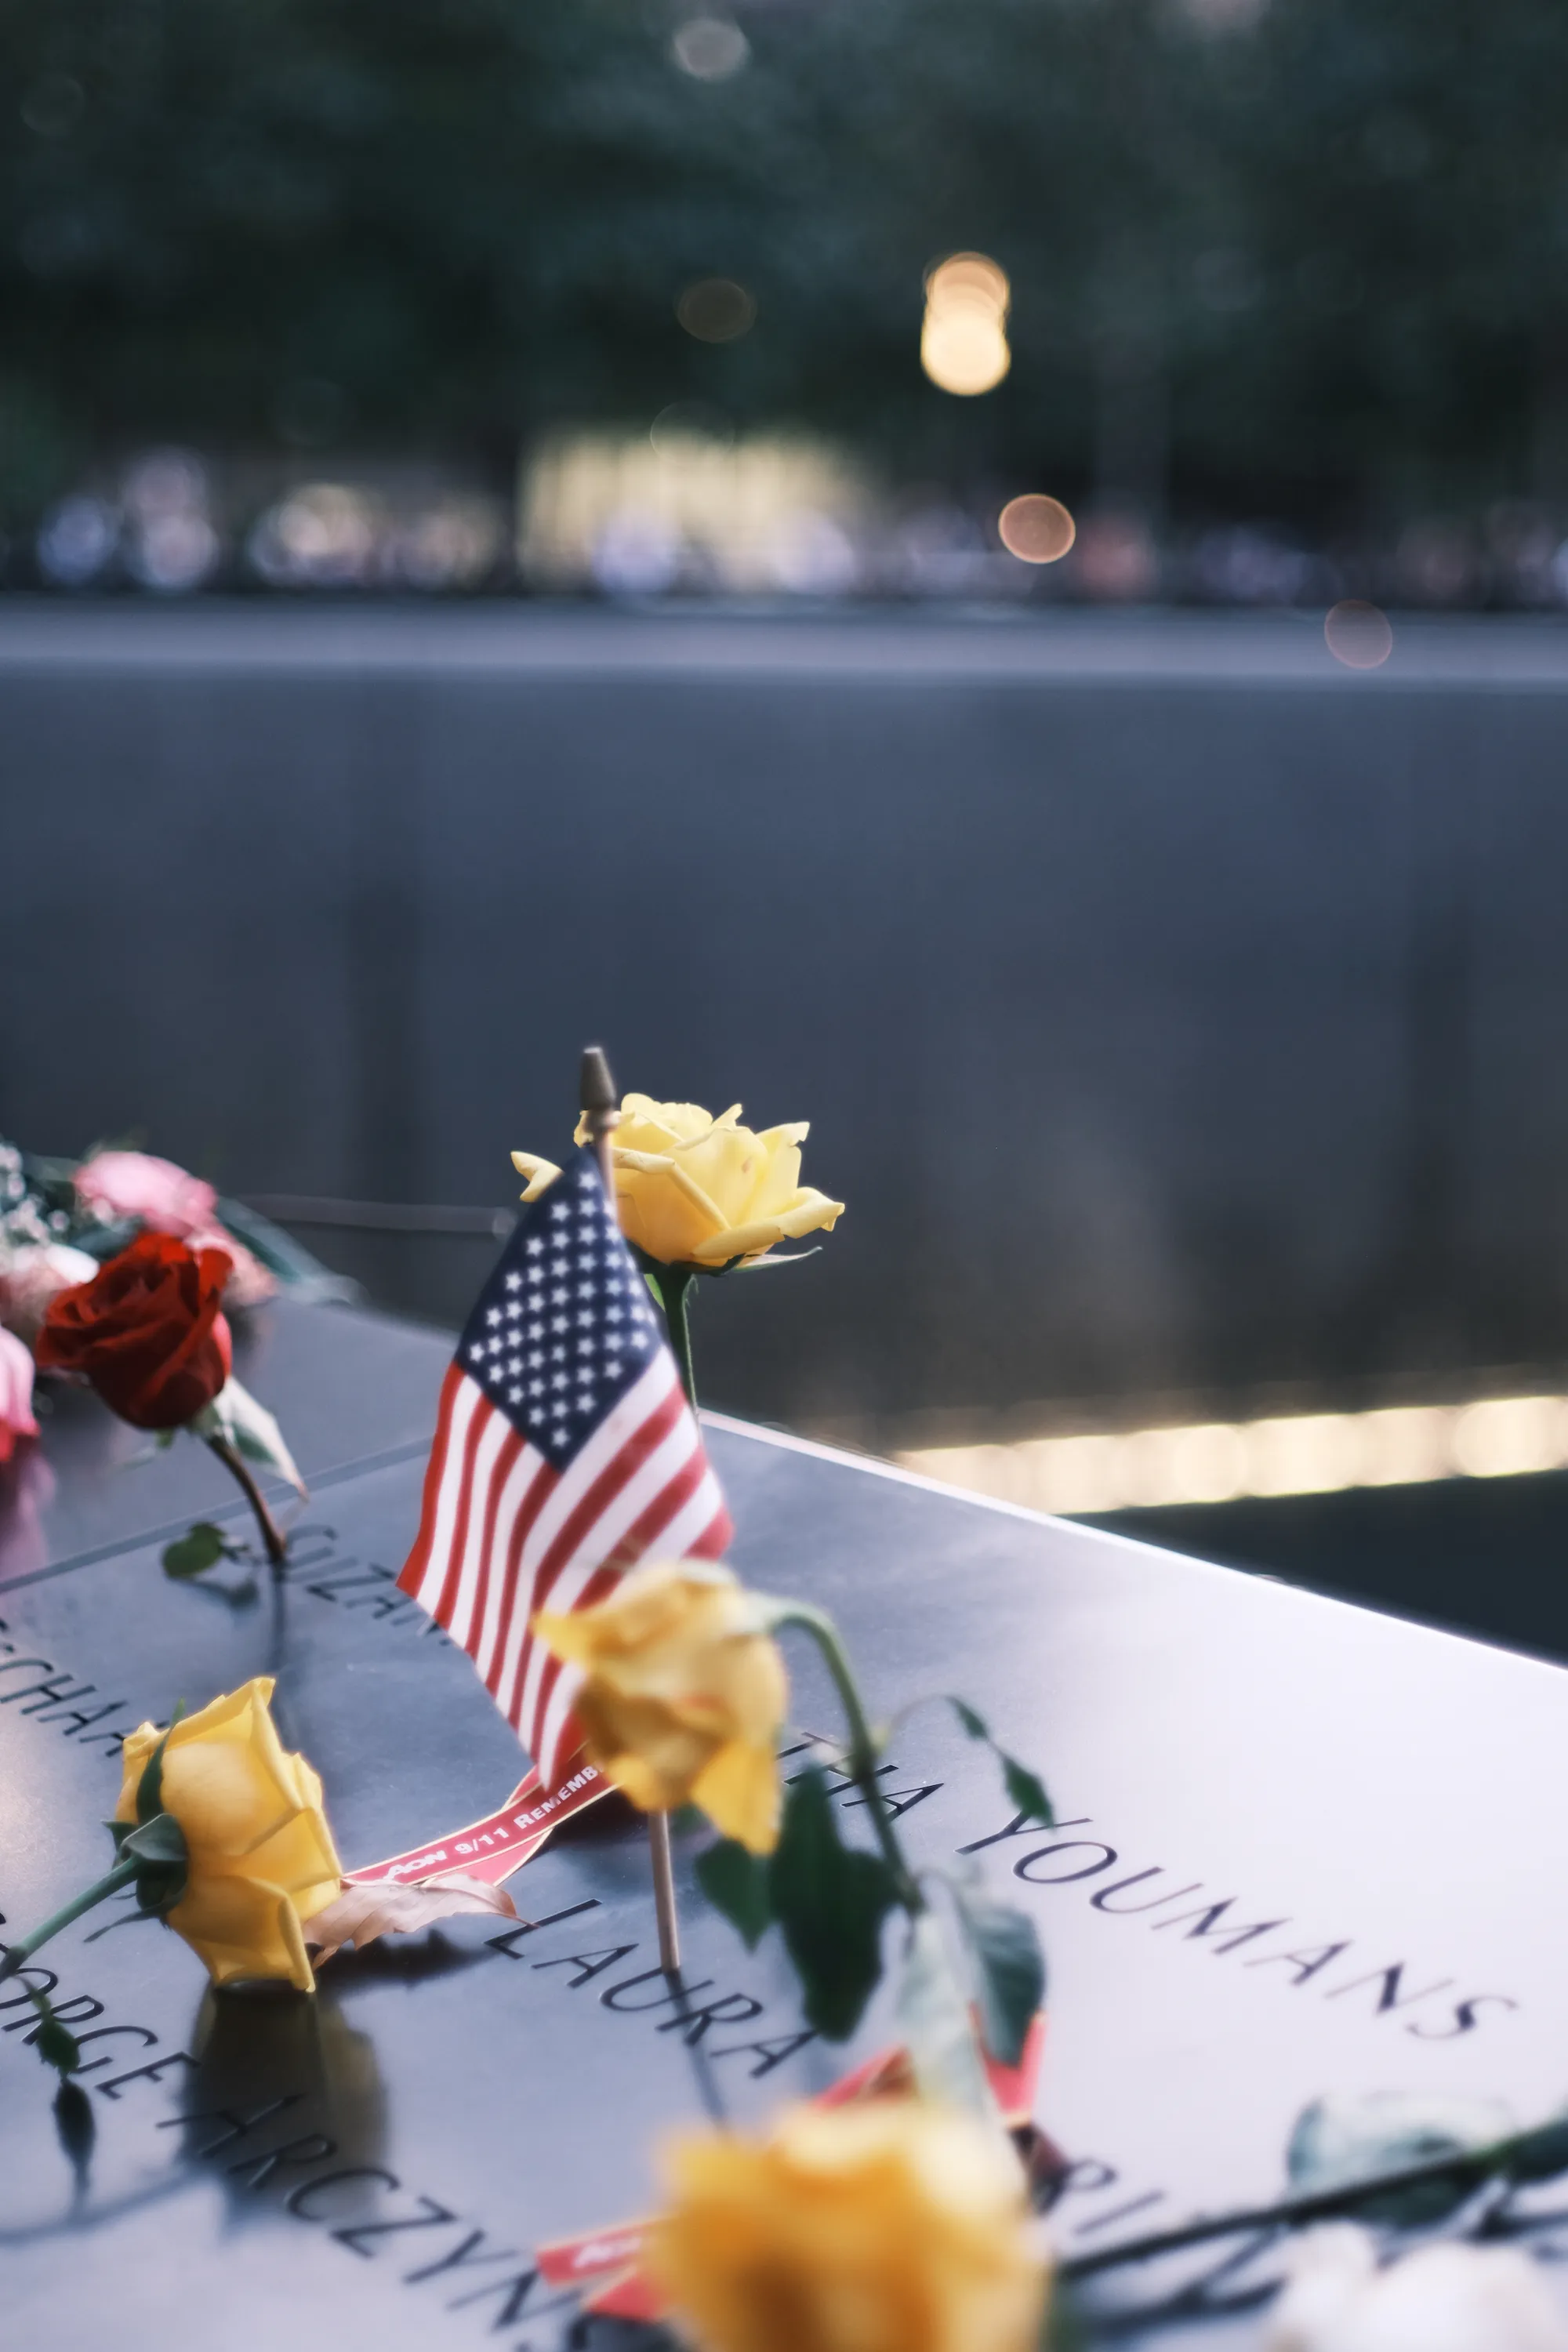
892,2226
684,1696
692,1189
261,1858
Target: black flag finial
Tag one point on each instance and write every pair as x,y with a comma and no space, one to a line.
597,1092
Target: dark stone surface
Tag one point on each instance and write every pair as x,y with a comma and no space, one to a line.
1175,1010
1345,1779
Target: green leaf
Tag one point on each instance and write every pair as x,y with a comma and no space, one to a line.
161,1840
1337,2142
1010,1970
1025,1790
55,2044
736,1882
760,1265
938,2028
830,1900
975,1725
158,1889
1541,2153
250,1428
159,1845
150,1788
195,1553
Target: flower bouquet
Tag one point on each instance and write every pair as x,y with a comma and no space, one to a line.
120,1273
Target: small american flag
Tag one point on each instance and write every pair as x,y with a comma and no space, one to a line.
564,1451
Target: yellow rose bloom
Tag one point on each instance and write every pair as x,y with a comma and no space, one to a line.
893,2226
692,1189
261,1857
684,1696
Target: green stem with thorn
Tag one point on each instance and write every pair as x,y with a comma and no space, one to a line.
861,1757
122,1874
274,1541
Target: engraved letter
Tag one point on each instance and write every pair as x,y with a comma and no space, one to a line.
1026,1869
1212,1919
1465,2018
1101,1900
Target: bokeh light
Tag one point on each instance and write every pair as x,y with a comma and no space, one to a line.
716,311
965,355
680,507
77,540
1306,1453
1117,561
971,279
1358,635
709,48
963,339
322,535
1504,1437
1035,528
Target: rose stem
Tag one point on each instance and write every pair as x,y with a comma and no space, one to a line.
109,1884
271,1536
862,1747
1475,2165
596,1098
674,1289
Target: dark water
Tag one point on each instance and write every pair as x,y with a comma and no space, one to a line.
1177,1012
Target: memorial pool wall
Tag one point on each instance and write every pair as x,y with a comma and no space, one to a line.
1181,1014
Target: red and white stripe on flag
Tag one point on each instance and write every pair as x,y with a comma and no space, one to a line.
504,1534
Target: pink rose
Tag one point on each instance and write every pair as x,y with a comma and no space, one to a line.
250,1282
135,1184
31,1276
15,1394
167,1199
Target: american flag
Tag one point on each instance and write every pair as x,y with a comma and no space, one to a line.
564,1451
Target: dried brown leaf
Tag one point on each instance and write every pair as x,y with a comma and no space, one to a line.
360,1914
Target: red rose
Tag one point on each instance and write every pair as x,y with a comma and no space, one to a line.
145,1332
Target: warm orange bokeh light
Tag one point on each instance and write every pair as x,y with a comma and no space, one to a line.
1035,528
969,278
965,355
963,341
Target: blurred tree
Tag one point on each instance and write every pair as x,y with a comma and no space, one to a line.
1300,255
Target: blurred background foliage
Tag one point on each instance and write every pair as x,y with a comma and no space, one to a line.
1305,258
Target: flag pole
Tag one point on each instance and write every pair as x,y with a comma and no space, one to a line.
597,1098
